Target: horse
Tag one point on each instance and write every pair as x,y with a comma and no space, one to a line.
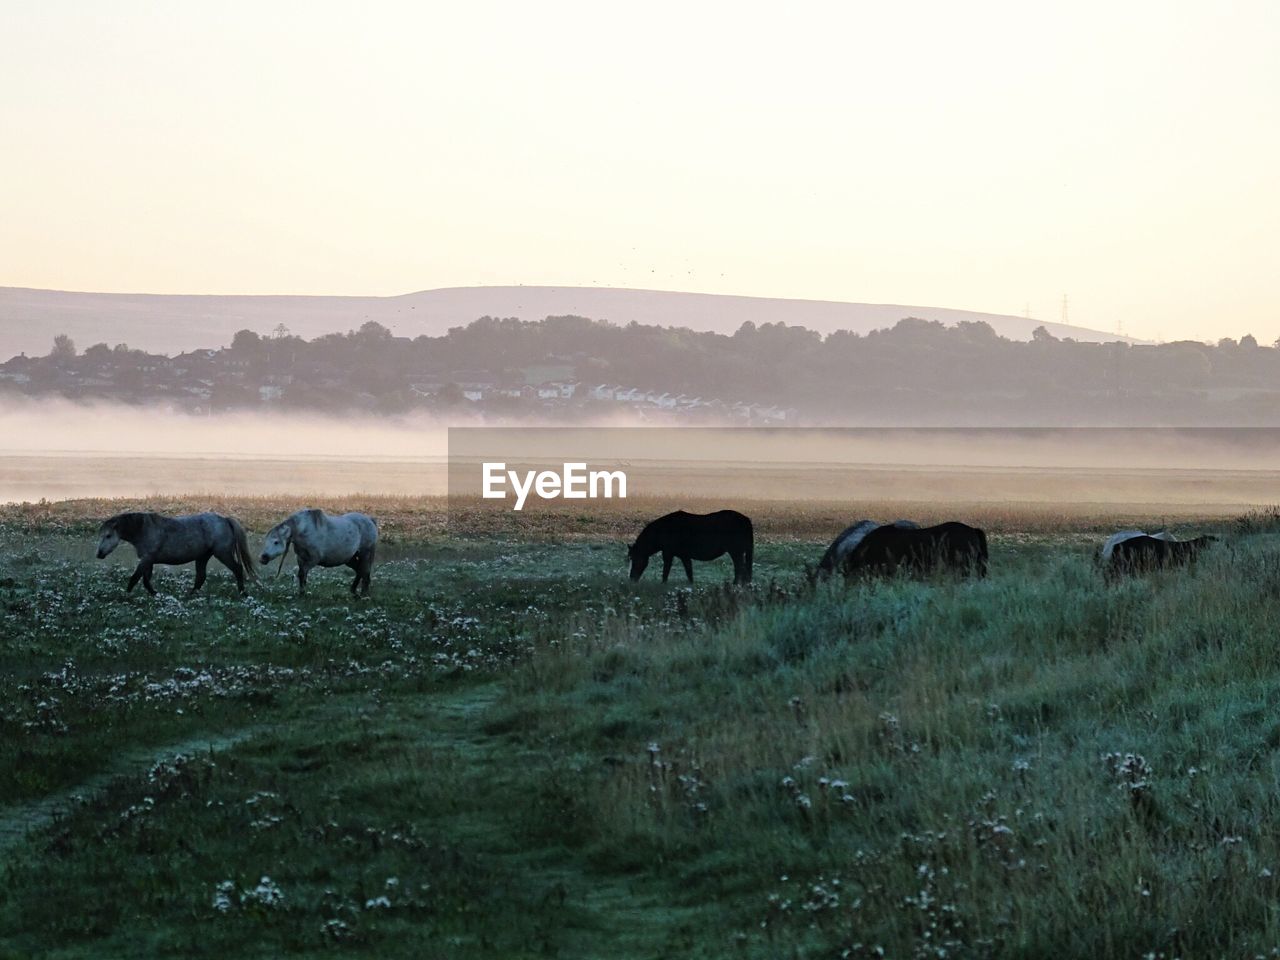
178,540
952,545
322,540
1121,536
1135,552
695,536
843,545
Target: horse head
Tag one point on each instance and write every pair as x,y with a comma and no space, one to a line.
108,537
637,559
277,543
128,527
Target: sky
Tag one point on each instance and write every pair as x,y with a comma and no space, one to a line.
982,155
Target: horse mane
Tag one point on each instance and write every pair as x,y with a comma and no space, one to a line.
648,533
128,526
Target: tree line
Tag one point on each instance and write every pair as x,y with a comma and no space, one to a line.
916,371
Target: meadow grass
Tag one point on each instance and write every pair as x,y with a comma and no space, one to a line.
511,750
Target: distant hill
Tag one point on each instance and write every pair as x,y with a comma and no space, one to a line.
29,319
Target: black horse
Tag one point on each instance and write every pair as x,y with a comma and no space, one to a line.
949,546
695,536
1142,553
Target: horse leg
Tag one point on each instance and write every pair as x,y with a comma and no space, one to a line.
146,577
354,564
688,568
232,562
366,567
667,558
302,579
738,564
202,567
135,577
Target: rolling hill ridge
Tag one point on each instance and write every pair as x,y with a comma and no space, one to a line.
173,323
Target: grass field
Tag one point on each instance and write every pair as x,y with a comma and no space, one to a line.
510,750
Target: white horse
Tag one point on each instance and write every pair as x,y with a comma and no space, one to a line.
322,540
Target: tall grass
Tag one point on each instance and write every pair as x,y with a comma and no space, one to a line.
1036,764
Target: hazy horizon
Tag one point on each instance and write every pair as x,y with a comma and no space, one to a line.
991,157
58,449
175,323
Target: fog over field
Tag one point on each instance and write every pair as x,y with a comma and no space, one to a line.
58,450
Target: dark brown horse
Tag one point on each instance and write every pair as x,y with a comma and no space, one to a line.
1139,554
948,546
695,536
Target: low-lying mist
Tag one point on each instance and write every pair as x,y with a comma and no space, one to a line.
108,429
61,449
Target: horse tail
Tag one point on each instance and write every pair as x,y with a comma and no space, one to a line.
242,547
982,553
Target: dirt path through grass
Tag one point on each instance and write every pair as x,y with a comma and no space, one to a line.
602,914
19,820
615,915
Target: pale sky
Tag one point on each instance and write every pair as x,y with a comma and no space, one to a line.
977,155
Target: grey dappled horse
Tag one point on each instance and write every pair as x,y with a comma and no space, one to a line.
842,547
177,540
322,540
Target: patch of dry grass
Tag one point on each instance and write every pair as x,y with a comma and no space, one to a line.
403,518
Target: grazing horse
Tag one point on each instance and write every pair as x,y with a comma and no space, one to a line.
1135,552
695,536
178,540
838,553
887,549
1120,536
322,540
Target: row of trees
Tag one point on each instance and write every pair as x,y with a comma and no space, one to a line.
916,370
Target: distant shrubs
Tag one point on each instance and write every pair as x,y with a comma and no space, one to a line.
1261,520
